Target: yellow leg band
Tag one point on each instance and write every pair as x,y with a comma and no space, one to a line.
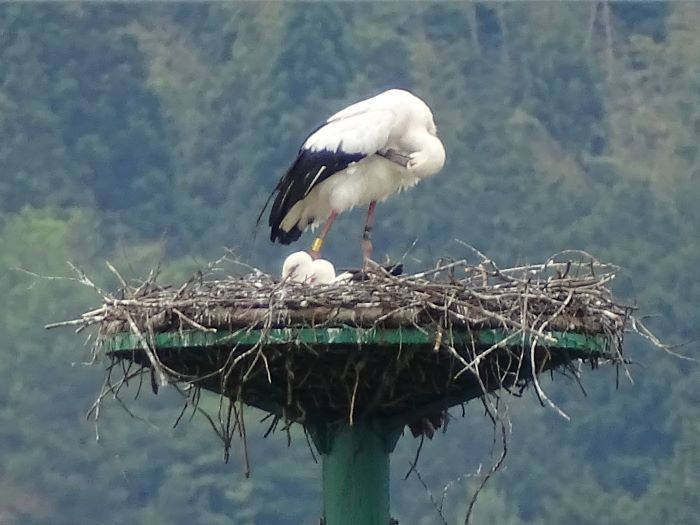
316,245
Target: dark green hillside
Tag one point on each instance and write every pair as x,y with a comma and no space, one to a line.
146,133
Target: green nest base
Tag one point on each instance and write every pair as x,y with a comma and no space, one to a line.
347,374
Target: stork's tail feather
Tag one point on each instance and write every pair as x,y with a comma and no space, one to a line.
285,237
285,227
267,203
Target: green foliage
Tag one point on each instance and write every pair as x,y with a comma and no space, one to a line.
149,134
79,118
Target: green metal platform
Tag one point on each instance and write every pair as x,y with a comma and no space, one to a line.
341,337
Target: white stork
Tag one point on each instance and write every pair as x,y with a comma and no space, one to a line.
361,155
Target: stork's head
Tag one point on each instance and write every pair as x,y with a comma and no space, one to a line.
323,272
406,101
432,128
297,267
425,115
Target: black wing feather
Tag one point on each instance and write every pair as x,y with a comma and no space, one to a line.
309,169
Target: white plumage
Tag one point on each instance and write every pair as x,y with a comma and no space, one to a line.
322,272
360,156
299,267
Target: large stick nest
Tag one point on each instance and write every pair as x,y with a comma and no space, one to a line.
558,295
304,383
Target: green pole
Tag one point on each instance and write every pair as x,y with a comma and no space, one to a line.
356,477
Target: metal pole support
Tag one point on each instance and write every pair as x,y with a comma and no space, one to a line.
356,476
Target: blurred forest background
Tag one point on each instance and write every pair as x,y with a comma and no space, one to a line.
146,133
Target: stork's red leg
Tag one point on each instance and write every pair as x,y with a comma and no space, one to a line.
367,233
315,250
